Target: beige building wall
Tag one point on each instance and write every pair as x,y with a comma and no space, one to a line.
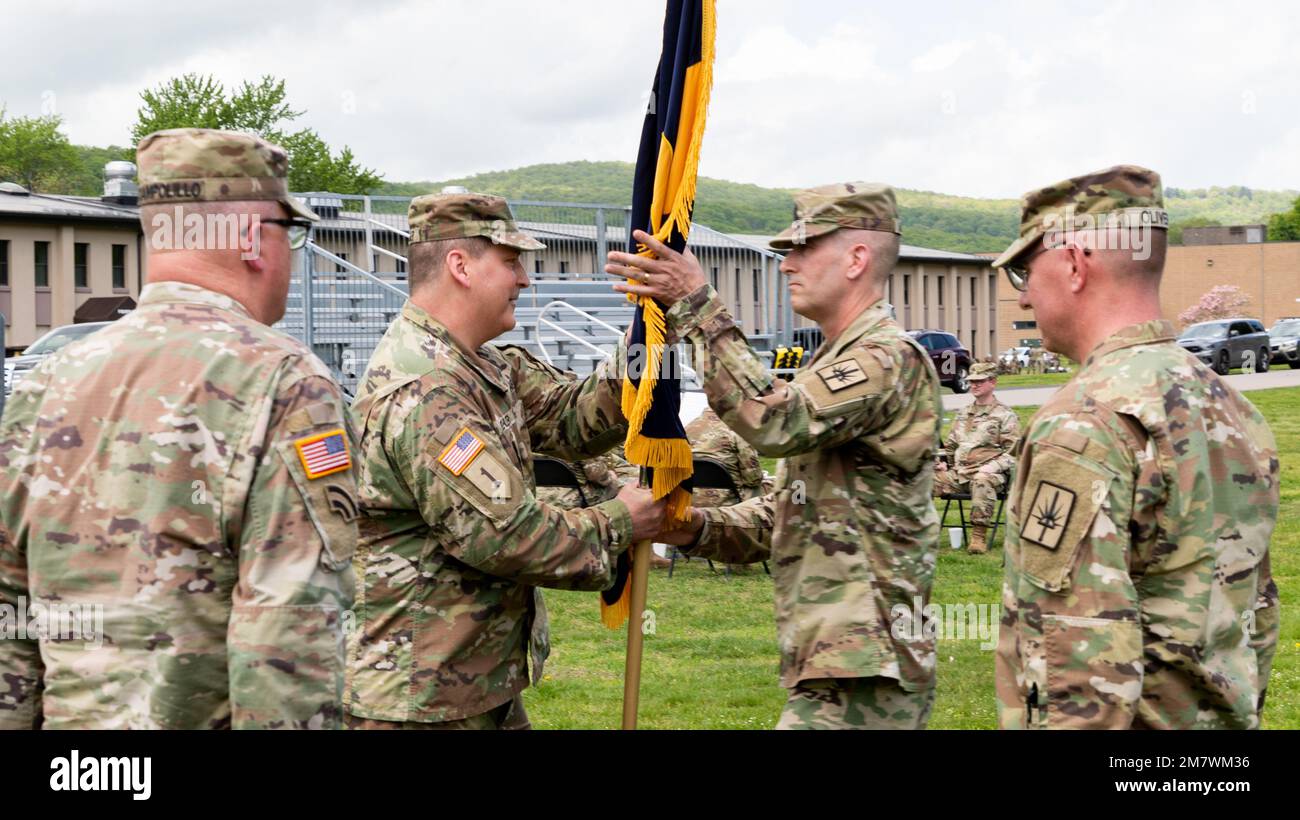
1268,273
29,312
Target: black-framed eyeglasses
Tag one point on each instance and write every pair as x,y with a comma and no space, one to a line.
296,228
1018,274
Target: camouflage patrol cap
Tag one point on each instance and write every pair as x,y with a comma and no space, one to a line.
982,370
205,165
456,216
867,206
1125,196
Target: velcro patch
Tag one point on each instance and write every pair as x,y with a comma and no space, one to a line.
462,450
841,375
1058,501
1048,515
324,454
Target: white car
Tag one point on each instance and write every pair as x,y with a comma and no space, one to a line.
16,367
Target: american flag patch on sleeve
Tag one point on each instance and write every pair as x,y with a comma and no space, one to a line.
462,450
324,454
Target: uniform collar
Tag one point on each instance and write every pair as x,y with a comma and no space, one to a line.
867,320
493,373
167,293
1142,333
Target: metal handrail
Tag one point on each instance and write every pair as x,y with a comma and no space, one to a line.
559,303
388,227
338,260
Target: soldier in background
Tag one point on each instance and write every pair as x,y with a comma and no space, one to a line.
713,440
1036,361
850,526
979,449
1137,588
454,542
187,473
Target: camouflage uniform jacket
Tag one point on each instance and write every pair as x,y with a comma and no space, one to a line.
453,540
851,527
1137,589
982,435
713,440
153,469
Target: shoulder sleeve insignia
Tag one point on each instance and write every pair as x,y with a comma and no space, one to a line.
462,450
324,454
840,375
1048,515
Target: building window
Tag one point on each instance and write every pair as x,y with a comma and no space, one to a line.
4,263
739,292
907,289
401,265
939,282
972,292
758,287
713,277
81,276
537,266
341,268
119,267
42,264
1024,325
564,266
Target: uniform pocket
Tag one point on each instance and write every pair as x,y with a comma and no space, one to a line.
1094,672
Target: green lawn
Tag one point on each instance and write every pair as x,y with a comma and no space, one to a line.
712,661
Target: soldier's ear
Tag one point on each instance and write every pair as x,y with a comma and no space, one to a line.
455,265
859,260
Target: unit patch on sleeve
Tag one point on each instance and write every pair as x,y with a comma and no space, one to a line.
841,375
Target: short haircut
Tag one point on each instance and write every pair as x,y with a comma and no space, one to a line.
425,260
884,246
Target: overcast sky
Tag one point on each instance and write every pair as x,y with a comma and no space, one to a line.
975,99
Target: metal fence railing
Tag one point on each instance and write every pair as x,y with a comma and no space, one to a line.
355,264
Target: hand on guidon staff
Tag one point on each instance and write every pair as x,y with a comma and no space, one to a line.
683,535
668,276
647,514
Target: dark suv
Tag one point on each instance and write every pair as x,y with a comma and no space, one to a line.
1227,343
950,358
1285,338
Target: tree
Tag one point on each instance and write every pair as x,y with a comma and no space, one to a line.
1219,302
35,153
194,101
1285,227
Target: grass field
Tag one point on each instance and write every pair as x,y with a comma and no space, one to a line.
711,662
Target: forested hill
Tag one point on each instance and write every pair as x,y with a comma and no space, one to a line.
929,219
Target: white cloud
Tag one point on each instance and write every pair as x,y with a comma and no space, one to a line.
985,100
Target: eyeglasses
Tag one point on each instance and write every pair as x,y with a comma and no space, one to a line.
1019,274
296,228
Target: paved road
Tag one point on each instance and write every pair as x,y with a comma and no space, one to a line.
1033,396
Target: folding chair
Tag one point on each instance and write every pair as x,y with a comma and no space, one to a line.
961,499
549,472
711,475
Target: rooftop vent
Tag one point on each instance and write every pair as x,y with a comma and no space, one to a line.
119,183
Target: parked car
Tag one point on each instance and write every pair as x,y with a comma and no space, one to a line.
1227,343
950,357
16,367
1284,337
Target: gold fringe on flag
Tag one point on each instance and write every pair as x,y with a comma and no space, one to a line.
670,458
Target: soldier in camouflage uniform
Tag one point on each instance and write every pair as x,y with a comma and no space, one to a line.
1137,588
851,528
454,542
713,440
979,449
186,472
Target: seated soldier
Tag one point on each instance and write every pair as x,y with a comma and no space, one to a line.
978,452
712,439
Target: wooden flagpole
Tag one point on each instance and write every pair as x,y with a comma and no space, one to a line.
632,672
